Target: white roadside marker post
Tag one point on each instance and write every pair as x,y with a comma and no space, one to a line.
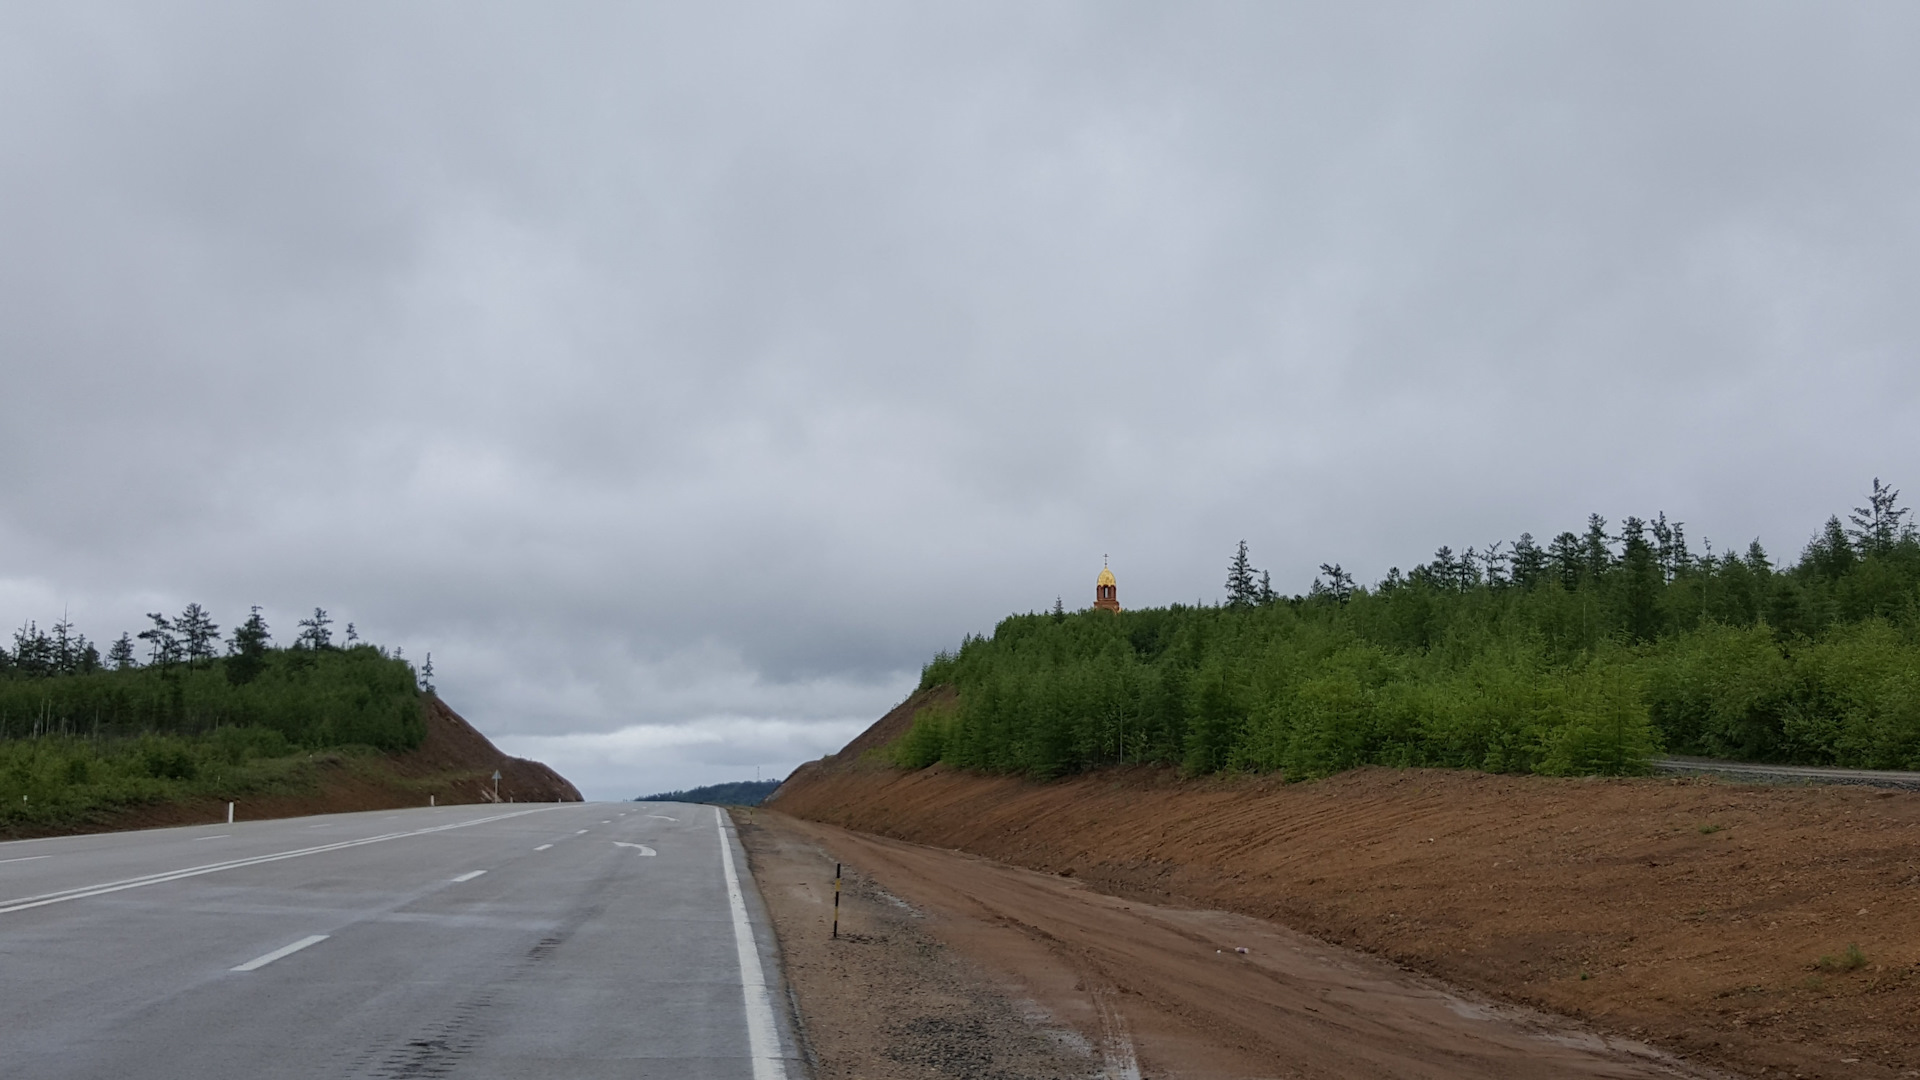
229,813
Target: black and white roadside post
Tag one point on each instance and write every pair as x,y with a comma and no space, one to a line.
836,901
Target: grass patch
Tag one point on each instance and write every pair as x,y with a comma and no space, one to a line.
1710,829
1851,960
60,781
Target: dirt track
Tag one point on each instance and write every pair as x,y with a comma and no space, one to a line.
887,1000
1691,913
1171,987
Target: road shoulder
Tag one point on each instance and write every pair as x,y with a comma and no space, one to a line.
889,1000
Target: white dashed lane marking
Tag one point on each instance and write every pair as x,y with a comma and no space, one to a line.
262,961
470,875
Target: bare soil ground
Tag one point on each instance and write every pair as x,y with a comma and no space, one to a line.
1158,991
888,1000
1691,913
454,764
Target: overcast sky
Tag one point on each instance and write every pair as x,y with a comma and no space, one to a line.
684,376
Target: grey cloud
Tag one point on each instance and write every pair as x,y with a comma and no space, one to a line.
612,351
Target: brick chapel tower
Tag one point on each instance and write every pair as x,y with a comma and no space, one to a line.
1106,592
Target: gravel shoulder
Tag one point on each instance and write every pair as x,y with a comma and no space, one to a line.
889,1000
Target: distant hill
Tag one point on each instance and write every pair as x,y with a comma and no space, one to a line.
738,793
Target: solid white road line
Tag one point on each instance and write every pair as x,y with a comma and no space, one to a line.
85,891
664,817
470,875
543,847
763,1041
644,849
222,836
26,858
262,961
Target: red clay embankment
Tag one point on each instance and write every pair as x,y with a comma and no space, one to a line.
1692,913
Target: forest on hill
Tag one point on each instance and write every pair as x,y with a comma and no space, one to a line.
199,715
1590,653
734,793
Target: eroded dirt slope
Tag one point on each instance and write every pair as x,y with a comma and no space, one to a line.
1692,913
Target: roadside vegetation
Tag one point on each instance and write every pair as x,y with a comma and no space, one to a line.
1590,653
733,793
200,716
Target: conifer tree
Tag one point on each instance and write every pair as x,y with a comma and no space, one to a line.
66,652
1241,590
1879,525
1529,562
1338,586
247,651
1565,554
163,646
197,633
1640,581
314,633
120,654
1596,550
1830,553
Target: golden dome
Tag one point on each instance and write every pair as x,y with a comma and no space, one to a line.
1105,578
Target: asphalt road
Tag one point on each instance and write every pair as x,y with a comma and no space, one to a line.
560,940
1789,774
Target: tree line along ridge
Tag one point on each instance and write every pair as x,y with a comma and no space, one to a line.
1591,653
200,714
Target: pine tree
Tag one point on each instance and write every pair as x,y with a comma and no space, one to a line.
163,647
1640,581
197,633
314,633
1496,563
1831,553
426,674
1529,562
1241,590
66,652
1670,547
1596,550
1878,526
1059,614
247,651
1338,586
120,654
1266,593
1567,560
